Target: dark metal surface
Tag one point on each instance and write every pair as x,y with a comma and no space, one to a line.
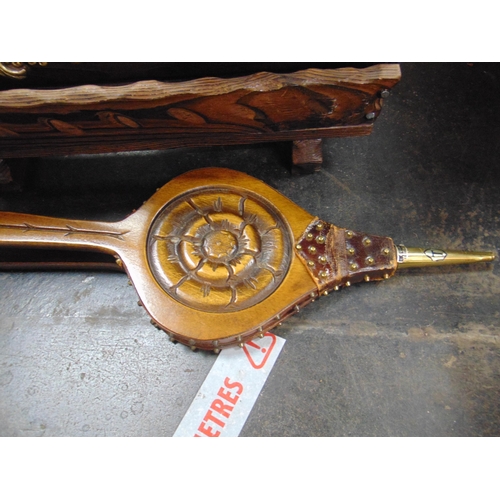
417,355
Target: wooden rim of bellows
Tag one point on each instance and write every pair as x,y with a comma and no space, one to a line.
214,207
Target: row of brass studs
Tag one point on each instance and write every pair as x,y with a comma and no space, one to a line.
216,344
366,278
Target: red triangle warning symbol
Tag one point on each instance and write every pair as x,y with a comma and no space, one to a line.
258,351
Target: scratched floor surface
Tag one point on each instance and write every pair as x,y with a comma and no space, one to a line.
418,355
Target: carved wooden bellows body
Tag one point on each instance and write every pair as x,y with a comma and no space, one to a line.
218,257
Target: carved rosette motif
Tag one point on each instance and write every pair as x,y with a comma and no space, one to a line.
217,249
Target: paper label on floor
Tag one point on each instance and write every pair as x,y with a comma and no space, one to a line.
226,398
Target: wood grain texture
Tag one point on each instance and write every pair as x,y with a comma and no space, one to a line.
151,92
217,257
263,107
307,155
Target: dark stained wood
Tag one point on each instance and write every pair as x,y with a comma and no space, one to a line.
307,155
263,107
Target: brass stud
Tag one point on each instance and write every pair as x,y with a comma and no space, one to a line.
367,241
193,348
370,260
312,249
320,239
353,267
325,293
313,295
351,251
215,343
309,236
130,283
310,263
323,274
216,351
280,324
386,251
336,288
386,276
261,335
240,344
298,247
319,226
366,278
119,262
322,259
139,303
347,283
349,234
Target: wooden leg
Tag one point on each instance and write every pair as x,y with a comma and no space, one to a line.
307,156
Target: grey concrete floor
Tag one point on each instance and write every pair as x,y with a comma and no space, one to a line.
418,355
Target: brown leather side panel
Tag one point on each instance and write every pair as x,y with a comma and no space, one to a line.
340,257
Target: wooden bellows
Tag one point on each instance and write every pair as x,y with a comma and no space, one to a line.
218,257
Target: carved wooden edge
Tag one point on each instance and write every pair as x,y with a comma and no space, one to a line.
95,96
265,107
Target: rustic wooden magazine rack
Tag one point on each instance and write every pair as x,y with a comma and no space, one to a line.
303,107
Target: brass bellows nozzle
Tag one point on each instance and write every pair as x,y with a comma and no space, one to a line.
425,257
